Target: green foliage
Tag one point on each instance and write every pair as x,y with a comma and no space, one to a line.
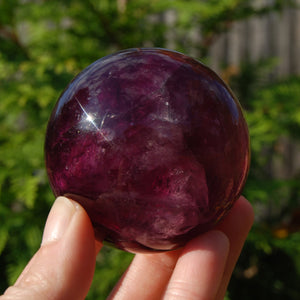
43,44
269,265
111,264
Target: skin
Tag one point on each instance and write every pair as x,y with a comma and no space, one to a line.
64,265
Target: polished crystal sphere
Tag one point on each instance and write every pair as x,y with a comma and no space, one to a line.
152,144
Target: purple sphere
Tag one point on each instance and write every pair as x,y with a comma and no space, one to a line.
152,144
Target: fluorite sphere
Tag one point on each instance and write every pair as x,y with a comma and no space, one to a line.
152,144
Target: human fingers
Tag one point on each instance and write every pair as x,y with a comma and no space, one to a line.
200,261
203,270
64,265
236,227
146,277
199,269
153,271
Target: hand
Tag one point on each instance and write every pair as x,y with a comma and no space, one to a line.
64,265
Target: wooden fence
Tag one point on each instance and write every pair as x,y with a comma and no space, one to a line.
273,35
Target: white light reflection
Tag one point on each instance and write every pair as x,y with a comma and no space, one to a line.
91,120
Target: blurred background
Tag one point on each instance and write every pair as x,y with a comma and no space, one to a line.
253,45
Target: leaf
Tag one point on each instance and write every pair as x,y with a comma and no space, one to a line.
33,237
14,271
3,238
26,189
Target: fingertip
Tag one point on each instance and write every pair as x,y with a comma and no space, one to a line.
58,220
63,267
213,239
80,255
200,267
236,225
246,209
241,216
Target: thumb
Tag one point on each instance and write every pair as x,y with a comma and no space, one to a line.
64,265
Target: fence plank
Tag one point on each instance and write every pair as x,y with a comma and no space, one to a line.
274,35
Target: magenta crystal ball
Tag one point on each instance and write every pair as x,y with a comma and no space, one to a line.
152,144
